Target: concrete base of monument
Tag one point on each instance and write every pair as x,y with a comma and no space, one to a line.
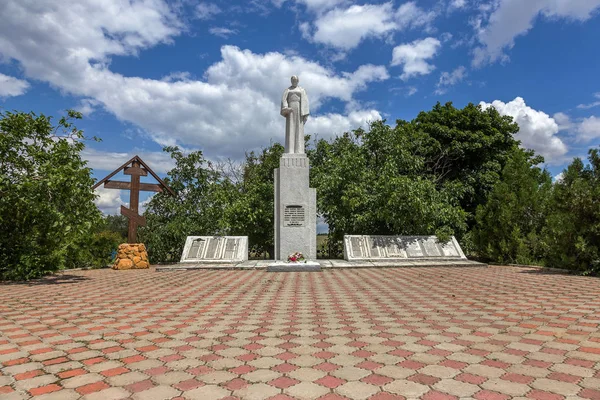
282,266
328,264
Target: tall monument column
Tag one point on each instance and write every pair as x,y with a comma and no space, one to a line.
295,202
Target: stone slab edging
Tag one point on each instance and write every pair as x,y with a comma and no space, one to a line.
328,264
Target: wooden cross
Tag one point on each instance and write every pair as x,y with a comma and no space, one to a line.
135,168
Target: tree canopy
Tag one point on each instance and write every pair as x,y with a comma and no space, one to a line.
46,198
426,176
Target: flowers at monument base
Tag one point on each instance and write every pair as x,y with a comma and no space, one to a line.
131,256
296,257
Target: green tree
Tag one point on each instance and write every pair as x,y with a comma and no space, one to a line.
46,201
118,224
573,228
251,212
421,177
203,193
509,226
469,146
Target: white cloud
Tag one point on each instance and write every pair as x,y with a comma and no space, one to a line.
457,4
70,42
109,201
10,86
409,15
222,32
538,131
233,109
206,11
589,129
563,121
413,57
412,90
448,79
87,106
346,28
330,125
591,105
581,130
504,20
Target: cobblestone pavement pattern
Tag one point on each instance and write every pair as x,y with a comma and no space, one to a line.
379,334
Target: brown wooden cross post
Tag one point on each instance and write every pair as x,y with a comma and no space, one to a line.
135,168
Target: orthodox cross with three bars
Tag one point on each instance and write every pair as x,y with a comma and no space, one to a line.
136,168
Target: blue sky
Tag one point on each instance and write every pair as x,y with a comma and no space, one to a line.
209,75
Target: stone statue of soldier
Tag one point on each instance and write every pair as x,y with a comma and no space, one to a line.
295,109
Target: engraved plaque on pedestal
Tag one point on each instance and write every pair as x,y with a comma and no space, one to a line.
293,216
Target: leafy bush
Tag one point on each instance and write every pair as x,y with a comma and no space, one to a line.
46,200
510,224
421,177
202,195
572,232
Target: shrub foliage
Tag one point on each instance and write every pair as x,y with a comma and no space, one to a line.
46,201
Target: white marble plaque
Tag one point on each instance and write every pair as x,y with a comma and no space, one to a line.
378,247
200,249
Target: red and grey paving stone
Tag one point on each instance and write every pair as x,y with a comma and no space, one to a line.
381,334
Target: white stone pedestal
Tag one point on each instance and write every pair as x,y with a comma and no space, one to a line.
295,209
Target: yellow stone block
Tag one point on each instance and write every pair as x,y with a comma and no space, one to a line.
123,263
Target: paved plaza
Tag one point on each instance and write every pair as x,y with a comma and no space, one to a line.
380,334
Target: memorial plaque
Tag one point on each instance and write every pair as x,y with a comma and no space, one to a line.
431,247
293,216
213,249
379,247
196,249
230,247
356,244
